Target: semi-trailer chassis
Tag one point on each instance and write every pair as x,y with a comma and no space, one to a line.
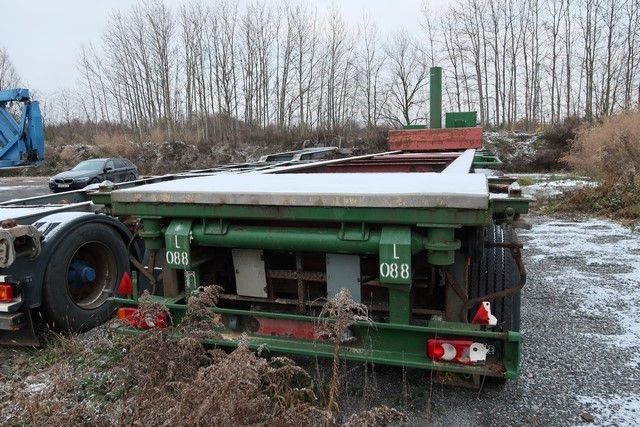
421,235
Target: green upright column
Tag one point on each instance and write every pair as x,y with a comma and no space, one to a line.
396,272
435,98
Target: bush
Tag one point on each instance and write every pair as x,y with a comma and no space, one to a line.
562,134
609,151
620,202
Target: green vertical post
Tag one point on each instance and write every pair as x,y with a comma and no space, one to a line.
395,271
399,304
435,98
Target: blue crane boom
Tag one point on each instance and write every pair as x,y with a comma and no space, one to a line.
21,142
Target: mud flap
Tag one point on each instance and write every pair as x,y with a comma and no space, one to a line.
24,334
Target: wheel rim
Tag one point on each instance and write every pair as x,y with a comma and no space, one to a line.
91,275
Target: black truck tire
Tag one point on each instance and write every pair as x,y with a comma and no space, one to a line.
72,307
495,270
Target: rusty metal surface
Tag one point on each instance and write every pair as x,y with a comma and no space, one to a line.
375,307
435,139
404,162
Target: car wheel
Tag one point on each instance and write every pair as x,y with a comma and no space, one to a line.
95,181
131,177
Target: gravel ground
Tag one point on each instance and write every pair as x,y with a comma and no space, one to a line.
581,340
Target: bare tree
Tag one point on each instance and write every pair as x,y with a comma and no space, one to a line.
8,74
282,64
408,75
632,12
556,10
371,64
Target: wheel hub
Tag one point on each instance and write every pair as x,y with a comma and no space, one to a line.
80,273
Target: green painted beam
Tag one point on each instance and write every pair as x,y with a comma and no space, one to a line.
383,343
501,206
444,216
287,238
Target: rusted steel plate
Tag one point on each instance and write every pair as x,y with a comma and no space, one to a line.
435,139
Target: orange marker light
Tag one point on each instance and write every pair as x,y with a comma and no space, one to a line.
6,292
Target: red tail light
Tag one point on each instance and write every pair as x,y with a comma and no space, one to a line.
134,318
6,292
459,351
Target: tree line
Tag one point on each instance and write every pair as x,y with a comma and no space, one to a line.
519,63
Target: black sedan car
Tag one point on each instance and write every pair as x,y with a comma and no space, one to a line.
92,172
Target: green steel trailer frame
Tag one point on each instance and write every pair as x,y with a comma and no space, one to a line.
412,253
409,251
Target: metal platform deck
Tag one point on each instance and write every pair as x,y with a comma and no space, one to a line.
375,190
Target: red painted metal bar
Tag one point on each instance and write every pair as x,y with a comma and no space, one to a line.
435,139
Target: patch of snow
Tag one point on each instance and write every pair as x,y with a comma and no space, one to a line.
613,409
608,284
35,387
551,186
13,187
521,144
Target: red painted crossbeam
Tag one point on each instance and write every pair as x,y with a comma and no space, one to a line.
435,139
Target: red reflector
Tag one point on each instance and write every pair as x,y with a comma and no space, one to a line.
134,318
459,351
6,292
483,316
126,285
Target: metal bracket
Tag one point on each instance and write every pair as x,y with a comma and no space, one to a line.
353,232
218,227
16,241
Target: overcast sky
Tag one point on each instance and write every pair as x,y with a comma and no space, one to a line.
43,37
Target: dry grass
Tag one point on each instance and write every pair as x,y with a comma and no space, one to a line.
337,315
609,151
612,200
158,151
116,144
167,377
379,416
198,322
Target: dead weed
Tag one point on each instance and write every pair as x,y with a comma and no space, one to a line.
168,377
